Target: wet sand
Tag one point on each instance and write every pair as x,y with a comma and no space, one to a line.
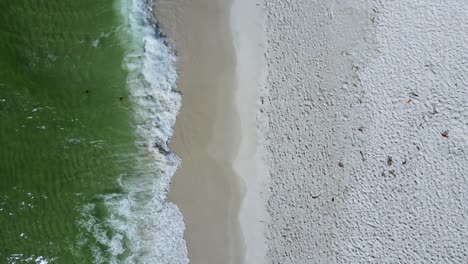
207,131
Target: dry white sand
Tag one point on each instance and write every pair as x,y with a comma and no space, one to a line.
368,118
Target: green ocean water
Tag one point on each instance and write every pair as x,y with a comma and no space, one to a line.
66,126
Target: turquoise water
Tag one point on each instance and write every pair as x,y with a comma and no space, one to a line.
82,104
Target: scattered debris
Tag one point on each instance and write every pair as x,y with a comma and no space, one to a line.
445,134
389,161
392,172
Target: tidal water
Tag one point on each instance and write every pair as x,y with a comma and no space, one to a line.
87,104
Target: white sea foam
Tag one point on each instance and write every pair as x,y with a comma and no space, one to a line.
144,227
41,260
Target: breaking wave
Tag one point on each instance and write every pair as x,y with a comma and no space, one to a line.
144,228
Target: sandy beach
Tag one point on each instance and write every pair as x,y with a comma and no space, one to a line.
367,143
314,131
248,28
216,131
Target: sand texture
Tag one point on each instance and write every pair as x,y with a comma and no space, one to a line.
247,25
367,105
361,116
207,132
220,187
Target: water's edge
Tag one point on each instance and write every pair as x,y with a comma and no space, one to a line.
155,224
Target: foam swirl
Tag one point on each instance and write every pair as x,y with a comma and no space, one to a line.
145,228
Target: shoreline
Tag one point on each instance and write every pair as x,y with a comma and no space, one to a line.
207,132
